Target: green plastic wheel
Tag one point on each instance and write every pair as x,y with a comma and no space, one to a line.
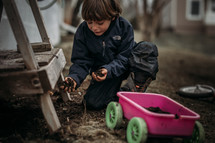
198,135
113,115
137,130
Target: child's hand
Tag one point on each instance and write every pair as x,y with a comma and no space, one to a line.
68,85
100,74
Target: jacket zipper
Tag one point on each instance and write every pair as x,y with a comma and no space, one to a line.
103,45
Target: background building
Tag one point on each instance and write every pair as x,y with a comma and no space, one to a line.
190,16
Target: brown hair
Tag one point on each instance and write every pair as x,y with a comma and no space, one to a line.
100,9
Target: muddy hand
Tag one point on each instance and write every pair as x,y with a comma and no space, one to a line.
68,85
100,74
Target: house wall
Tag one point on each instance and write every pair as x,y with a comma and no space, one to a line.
209,19
210,30
166,17
183,25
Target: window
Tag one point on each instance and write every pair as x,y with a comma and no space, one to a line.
213,5
194,9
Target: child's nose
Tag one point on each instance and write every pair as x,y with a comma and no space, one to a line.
94,27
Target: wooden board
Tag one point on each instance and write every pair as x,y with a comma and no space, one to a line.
39,47
49,112
51,73
20,83
11,60
39,81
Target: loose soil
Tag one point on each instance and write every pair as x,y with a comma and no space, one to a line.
157,110
68,84
99,73
183,61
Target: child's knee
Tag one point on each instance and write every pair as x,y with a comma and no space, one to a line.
93,105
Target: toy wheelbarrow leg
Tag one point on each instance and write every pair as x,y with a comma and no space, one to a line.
49,112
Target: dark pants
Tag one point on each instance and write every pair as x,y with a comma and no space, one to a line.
99,94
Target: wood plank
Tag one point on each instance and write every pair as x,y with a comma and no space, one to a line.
39,47
46,57
20,34
11,60
20,83
34,81
49,112
53,70
39,20
11,67
9,54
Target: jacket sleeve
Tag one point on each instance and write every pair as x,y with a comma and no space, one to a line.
82,62
120,64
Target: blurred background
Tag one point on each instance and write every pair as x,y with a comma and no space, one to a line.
150,19
187,24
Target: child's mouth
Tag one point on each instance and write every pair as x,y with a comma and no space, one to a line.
97,33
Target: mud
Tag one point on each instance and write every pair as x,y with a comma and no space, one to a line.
99,73
156,110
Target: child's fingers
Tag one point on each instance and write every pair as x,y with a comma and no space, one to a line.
69,89
104,71
75,84
62,87
99,78
66,89
102,78
94,76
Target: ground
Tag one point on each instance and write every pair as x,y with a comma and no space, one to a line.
183,61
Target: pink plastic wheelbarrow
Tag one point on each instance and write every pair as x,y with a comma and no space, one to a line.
177,121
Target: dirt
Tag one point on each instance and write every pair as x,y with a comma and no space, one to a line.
182,62
99,73
157,110
68,84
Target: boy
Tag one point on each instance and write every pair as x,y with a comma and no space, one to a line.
102,42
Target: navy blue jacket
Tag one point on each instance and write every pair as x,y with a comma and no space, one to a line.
110,50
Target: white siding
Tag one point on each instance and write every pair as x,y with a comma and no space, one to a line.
210,14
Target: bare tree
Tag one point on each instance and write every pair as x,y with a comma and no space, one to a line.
150,20
1,9
75,19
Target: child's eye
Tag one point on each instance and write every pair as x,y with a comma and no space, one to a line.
100,23
89,22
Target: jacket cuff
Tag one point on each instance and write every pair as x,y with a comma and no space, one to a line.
109,75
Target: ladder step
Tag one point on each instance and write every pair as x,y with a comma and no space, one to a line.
39,47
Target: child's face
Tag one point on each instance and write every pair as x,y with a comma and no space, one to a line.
98,27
